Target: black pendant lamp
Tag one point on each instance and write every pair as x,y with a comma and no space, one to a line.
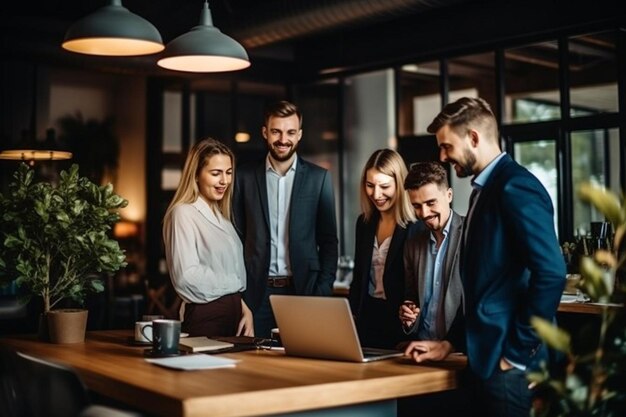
204,49
113,30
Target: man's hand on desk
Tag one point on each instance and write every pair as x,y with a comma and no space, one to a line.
428,350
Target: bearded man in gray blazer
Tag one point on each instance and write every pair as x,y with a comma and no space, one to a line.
284,211
433,310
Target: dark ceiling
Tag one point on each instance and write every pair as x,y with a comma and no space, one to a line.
270,30
305,39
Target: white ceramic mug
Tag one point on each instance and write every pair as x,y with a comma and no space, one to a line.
141,332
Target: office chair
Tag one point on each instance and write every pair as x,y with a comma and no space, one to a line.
12,400
56,390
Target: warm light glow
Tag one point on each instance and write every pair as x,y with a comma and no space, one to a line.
125,229
242,137
113,46
203,63
34,155
329,135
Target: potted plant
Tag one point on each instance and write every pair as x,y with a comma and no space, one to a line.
55,240
592,381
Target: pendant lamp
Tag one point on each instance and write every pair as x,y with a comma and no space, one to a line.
204,49
113,30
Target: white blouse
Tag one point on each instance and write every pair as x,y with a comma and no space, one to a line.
377,270
204,253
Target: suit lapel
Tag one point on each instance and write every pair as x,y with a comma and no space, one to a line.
298,182
395,246
262,189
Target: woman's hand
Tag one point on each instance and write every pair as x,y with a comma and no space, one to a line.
246,324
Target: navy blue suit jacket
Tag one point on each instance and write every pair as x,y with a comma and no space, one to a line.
511,269
313,247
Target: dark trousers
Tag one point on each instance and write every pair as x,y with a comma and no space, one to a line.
378,324
504,394
264,320
218,318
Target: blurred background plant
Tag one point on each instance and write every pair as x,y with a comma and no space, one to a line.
591,381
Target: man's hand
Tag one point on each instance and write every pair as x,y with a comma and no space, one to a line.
429,350
409,312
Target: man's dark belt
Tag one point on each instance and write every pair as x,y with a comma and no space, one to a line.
279,281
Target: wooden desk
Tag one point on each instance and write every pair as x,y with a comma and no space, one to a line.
585,308
262,383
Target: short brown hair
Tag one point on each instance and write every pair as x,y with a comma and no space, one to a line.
465,113
281,108
422,173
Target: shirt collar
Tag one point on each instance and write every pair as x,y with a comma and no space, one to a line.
269,167
480,180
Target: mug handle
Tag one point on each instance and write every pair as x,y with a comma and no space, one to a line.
145,335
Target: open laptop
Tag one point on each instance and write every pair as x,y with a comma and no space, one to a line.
323,328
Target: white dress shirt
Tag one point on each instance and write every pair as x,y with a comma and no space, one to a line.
204,254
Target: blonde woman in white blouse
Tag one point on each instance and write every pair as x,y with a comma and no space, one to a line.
203,251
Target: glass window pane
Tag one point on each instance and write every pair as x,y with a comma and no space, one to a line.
531,83
539,157
473,76
590,164
593,74
170,178
172,121
420,98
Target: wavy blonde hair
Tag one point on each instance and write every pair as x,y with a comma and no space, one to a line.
187,191
390,163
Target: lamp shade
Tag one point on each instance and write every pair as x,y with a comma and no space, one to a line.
204,49
113,30
29,155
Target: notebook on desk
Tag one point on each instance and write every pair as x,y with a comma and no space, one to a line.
322,328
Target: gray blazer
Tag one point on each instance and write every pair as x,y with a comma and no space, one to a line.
415,251
313,249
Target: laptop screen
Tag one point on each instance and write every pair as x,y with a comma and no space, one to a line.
319,327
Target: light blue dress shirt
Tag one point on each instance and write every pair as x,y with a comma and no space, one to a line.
279,188
432,326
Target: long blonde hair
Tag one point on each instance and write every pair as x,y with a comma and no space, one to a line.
388,162
187,191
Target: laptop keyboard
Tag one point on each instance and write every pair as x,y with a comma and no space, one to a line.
369,352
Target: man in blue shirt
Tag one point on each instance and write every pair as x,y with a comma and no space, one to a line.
432,311
511,265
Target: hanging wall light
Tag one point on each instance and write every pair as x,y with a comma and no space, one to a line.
204,49
113,31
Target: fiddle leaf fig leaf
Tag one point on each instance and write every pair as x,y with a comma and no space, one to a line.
555,337
593,279
605,201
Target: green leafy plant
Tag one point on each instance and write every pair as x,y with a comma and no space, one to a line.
592,381
55,239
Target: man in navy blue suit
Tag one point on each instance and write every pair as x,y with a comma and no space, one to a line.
511,266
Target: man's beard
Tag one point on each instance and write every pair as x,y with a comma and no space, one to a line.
465,168
285,157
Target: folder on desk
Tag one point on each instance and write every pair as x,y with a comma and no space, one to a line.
203,344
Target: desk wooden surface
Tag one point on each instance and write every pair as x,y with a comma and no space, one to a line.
263,382
585,308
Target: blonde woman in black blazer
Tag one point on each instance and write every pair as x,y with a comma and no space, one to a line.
387,219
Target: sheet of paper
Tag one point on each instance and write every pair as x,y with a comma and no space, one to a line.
193,362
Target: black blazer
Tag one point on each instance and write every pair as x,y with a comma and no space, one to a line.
393,277
313,243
